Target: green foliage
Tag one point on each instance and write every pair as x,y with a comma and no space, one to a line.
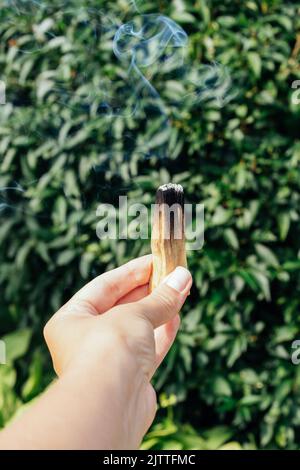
230,368
166,435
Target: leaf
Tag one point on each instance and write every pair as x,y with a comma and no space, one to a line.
34,380
215,343
291,266
239,345
231,238
149,443
266,255
283,390
183,17
226,21
220,217
65,257
217,436
231,446
285,21
8,376
255,64
250,400
186,355
221,387
43,87
205,11
283,224
238,284
263,283
285,333
17,343
267,431
248,278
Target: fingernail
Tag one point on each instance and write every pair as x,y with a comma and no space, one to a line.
179,279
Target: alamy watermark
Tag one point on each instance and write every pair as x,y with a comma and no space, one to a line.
133,221
295,356
296,93
2,352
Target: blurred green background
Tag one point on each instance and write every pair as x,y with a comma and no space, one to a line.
229,379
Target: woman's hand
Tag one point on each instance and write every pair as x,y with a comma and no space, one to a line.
112,325
106,344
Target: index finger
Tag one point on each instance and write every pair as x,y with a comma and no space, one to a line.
103,292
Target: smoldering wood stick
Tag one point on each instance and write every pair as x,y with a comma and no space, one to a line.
168,235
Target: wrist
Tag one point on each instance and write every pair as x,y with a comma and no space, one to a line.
105,379
99,392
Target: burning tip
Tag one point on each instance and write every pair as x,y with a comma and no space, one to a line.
171,187
170,194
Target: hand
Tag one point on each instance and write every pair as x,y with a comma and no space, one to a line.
116,335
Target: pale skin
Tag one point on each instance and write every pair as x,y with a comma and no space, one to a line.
106,343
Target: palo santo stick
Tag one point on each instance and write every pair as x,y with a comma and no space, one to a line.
168,237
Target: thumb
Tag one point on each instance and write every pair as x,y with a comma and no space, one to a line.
167,299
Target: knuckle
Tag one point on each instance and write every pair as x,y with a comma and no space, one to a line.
111,287
48,329
130,268
141,309
79,306
46,332
165,301
135,274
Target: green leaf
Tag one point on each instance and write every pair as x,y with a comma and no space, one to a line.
220,217
231,446
17,343
215,343
255,64
183,17
205,11
65,257
238,347
217,436
221,387
284,221
231,238
250,400
33,383
266,255
263,283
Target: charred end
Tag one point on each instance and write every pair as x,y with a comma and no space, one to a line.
170,209
170,194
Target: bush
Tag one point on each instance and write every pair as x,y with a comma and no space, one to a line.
62,152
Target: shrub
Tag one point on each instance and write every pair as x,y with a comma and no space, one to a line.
62,153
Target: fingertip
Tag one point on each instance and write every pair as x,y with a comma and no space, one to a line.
180,279
141,268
